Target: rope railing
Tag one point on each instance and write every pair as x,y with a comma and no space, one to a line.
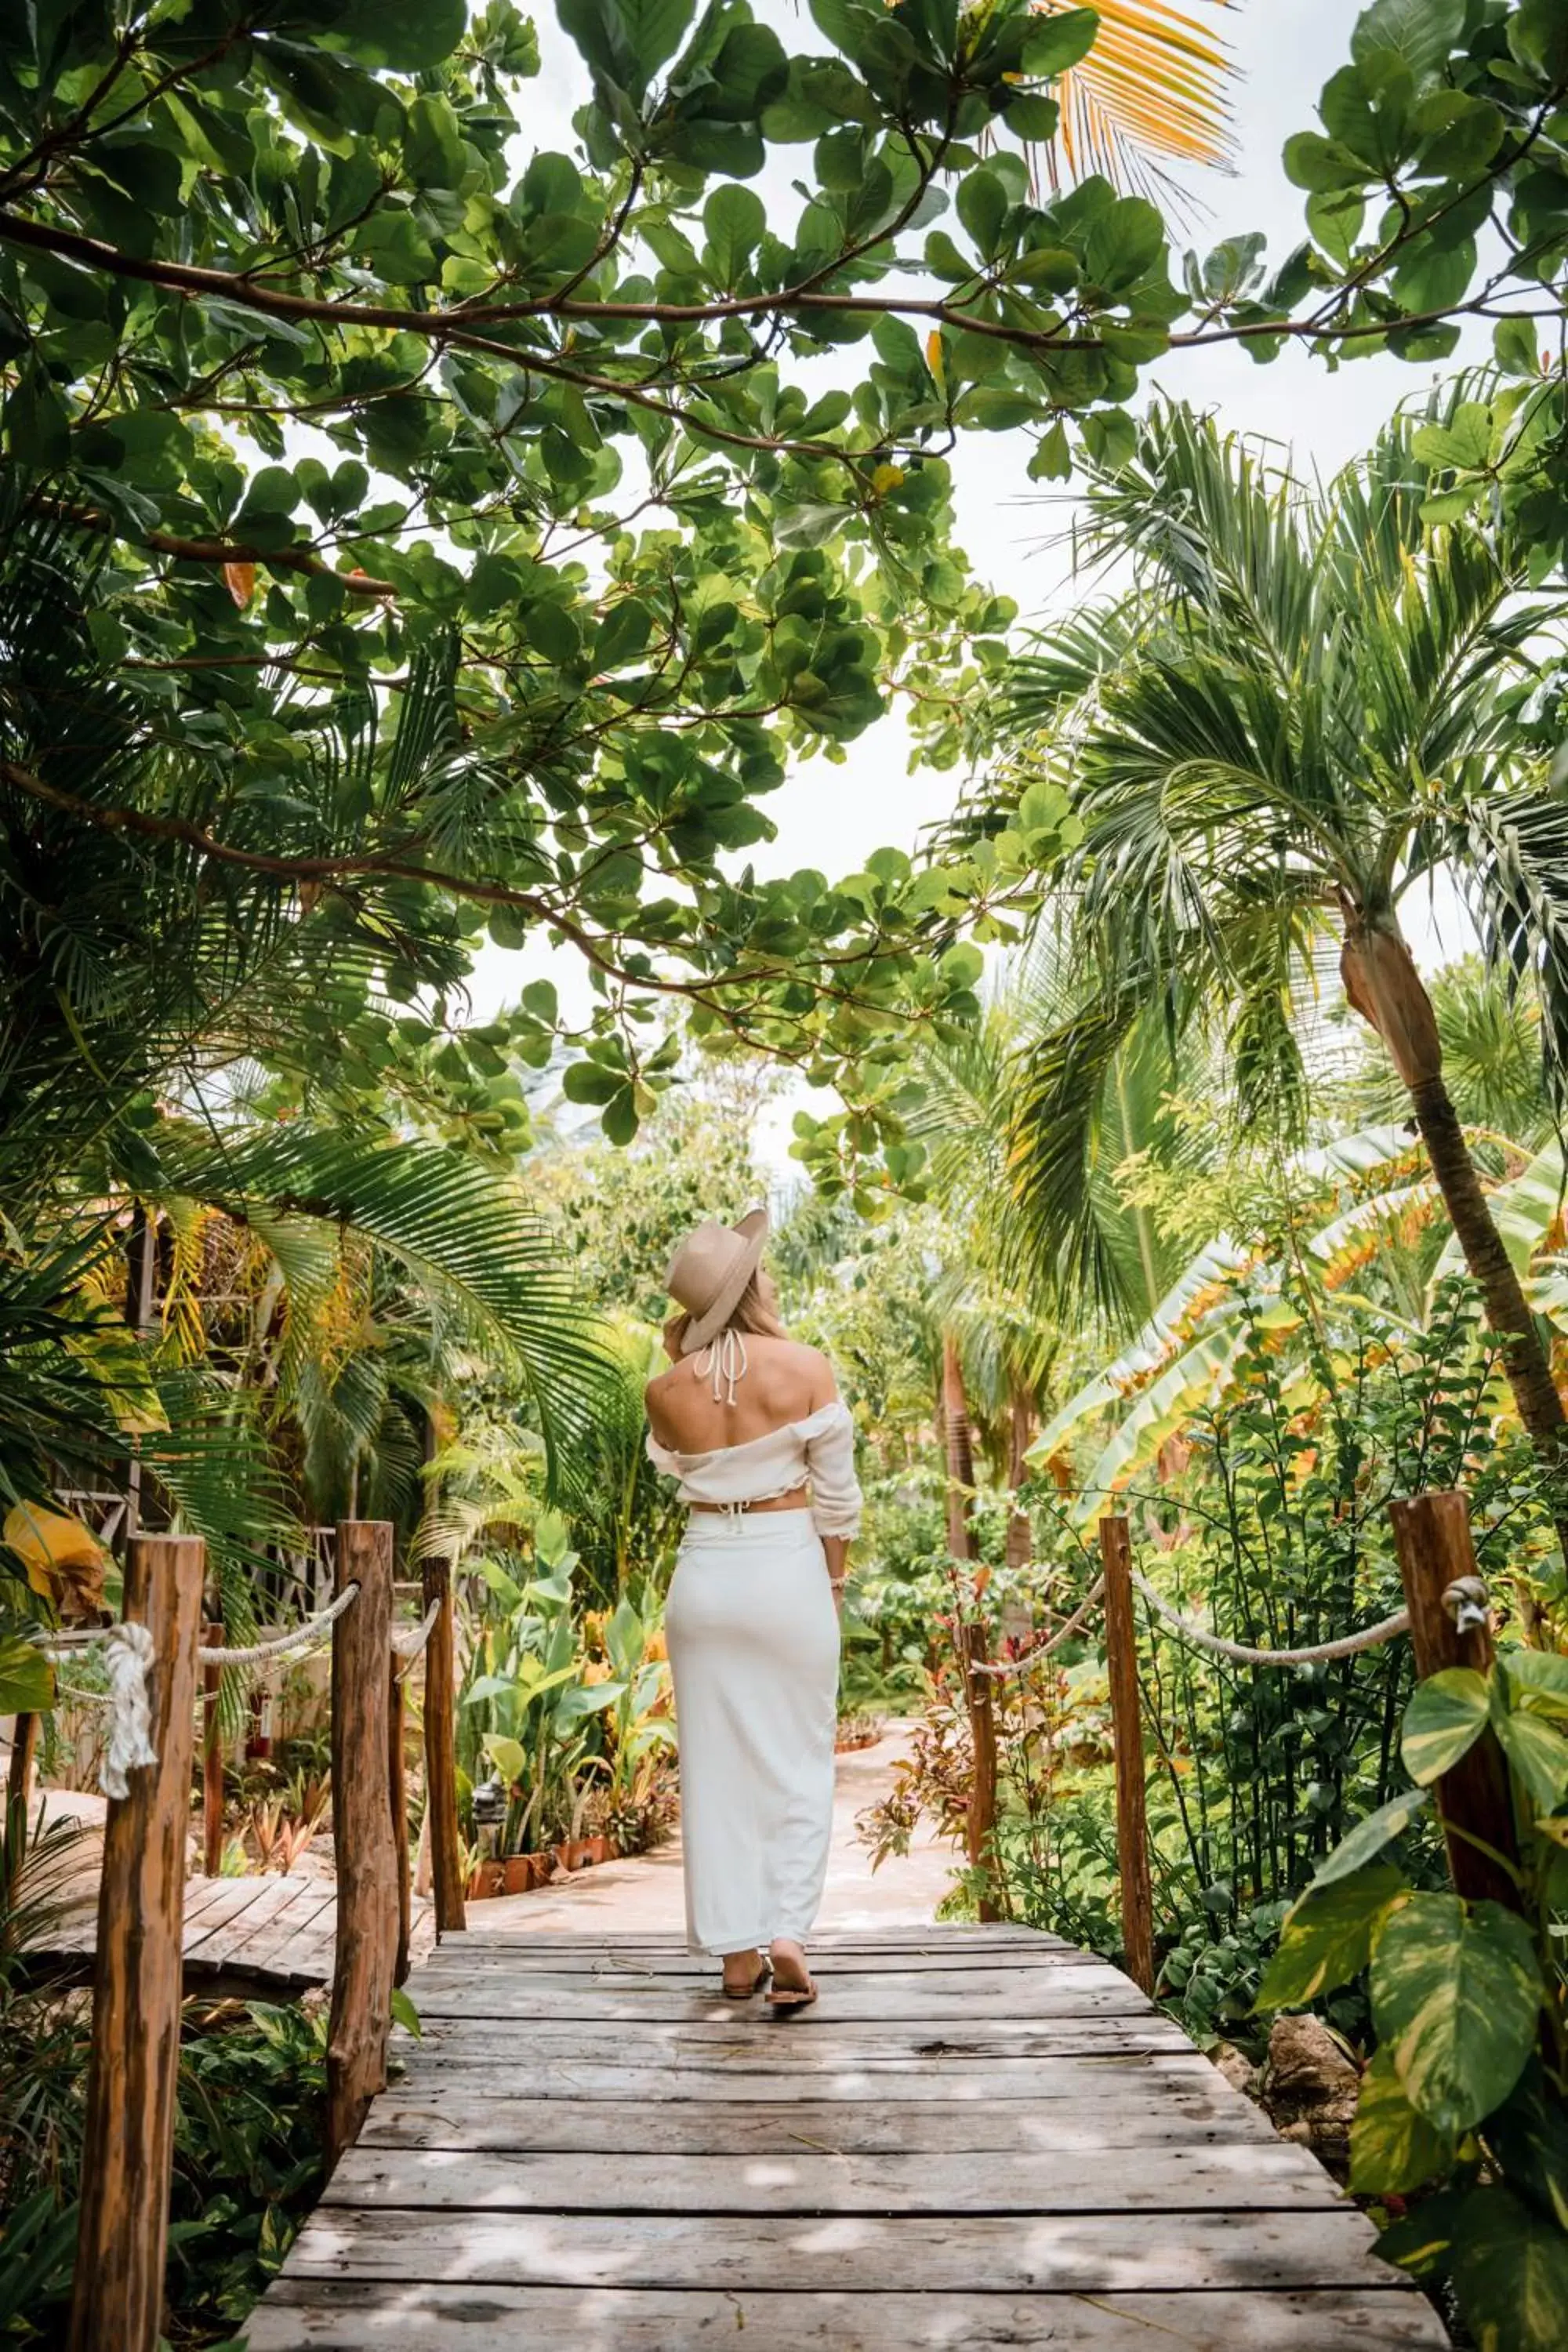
1242,1653
309,1636
1000,1667
408,1641
127,1659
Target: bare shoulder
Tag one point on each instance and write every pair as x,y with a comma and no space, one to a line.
655,1397
807,1370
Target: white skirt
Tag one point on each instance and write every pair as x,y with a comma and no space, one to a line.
753,1651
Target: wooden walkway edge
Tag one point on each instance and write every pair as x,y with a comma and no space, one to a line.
980,2138
266,1932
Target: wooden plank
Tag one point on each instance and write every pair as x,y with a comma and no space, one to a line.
298,1905
350,2315
307,1956
1081,2253
894,2083
226,1899
1028,1997
481,1952
1241,2177
814,2045
1151,2111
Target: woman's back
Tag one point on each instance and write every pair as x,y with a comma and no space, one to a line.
783,1382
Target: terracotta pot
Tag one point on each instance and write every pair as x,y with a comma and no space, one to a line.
580,1853
488,1879
518,1870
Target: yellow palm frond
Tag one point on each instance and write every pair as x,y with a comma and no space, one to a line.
1154,91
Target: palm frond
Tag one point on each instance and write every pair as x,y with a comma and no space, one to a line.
1152,91
457,1227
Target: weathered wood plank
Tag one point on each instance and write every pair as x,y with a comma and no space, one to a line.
1081,2253
1025,1994
482,1952
754,2040
1152,2110
305,1910
224,1900
893,2082
1246,2178
351,2315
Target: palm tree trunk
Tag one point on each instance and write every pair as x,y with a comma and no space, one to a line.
1383,985
1020,1430
959,1445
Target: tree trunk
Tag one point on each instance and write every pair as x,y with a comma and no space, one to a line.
1383,985
1020,1431
959,1442
972,1644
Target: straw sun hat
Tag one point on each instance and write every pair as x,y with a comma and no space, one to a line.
709,1272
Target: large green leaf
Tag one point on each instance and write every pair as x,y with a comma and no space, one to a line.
1445,1716
1394,2148
26,1677
1367,1840
1327,1937
1537,1753
1510,2267
1456,1994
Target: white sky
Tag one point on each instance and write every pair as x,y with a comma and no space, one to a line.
832,816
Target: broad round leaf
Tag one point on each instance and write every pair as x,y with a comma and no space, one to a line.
1445,1718
1456,1994
1394,2148
1510,2267
1329,1936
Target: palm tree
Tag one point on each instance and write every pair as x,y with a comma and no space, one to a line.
1307,700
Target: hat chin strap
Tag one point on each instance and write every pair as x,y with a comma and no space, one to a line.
726,1361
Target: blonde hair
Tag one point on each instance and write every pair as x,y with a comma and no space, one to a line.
751,1314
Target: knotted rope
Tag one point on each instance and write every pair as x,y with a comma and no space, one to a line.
127,1659
128,1656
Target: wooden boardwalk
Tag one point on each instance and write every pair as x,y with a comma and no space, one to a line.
265,1932
981,2137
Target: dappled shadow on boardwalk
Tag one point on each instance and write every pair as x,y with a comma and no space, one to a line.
980,2138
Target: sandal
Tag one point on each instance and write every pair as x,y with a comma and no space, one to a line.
750,1993
788,1999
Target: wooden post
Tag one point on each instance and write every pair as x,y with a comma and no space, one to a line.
362,1835
20,1792
128,2143
397,1792
212,1762
980,1824
1432,1537
440,1760
1127,1721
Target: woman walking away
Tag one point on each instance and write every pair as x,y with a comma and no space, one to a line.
749,1422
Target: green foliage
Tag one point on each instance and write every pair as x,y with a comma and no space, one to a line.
1464,2095
1443,135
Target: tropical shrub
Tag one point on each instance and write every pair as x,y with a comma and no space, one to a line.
1463,2109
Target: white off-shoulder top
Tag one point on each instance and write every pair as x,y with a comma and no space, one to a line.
818,1450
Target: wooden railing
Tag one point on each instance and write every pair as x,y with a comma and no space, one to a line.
1433,1543
133,2065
